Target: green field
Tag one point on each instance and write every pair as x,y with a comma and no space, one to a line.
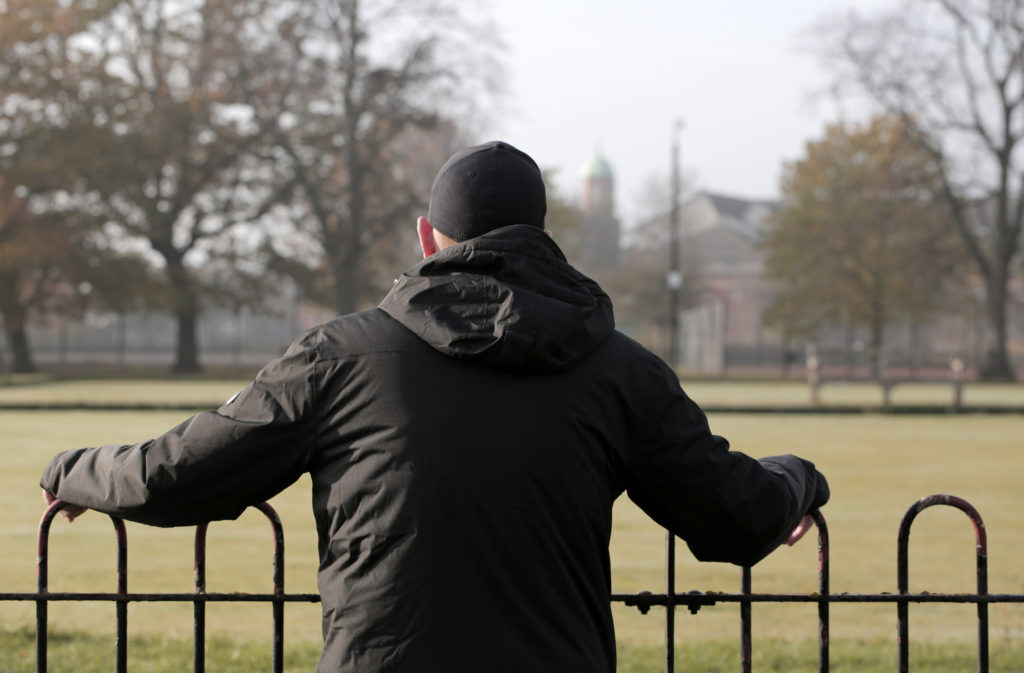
91,653
878,465
211,392
852,394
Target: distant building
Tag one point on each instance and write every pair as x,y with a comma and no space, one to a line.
723,266
599,235
725,294
727,297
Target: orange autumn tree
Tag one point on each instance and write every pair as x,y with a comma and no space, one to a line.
40,258
52,256
862,237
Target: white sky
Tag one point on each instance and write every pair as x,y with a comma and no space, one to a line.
612,76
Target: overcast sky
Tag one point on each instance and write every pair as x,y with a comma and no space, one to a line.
590,76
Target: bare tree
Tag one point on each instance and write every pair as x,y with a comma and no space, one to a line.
162,85
953,71
30,251
364,108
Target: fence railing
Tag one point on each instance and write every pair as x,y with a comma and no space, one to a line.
643,601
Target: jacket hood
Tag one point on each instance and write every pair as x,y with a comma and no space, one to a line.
508,299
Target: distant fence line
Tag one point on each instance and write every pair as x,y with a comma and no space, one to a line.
226,337
249,336
670,599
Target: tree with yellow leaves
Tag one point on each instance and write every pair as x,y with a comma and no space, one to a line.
862,236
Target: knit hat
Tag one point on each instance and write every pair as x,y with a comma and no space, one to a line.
484,188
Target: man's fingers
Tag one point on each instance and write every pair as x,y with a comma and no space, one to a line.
801,529
70,512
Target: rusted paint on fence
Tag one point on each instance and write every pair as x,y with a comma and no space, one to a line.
42,584
643,601
278,582
696,600
199,597
903,572
823,592
199,606
746,618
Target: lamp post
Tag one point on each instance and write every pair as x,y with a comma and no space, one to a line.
674,279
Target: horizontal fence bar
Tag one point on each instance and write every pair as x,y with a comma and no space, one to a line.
161,597
638,600
705,599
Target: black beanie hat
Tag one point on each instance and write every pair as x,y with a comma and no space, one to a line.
484,188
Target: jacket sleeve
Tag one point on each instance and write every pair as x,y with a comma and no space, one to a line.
210,467
726,505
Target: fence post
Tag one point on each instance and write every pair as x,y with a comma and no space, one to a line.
956,375
278,579
813,375
746,615
670,603
746,637
42,564
122,589
277,597
823,592
199,606
902,572
42,582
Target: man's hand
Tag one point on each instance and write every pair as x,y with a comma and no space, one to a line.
801,529
70,512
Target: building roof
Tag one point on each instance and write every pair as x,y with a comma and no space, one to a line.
745,217
739,209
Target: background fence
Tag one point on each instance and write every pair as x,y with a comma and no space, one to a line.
670,600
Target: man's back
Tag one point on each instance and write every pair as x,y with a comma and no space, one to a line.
464,505
464,513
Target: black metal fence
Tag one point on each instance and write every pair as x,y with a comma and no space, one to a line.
670,599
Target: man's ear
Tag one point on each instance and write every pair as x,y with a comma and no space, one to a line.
426,234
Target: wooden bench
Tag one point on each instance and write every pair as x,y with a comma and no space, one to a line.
815,381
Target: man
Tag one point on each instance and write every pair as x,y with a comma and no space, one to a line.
466,440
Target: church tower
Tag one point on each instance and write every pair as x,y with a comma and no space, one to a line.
600,229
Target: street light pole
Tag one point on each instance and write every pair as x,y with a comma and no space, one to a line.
674,279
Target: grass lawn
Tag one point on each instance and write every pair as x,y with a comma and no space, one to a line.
201,392
211,392
877,466
90,653
854,393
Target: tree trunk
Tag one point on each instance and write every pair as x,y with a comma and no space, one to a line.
997,365
875,347
121,344
186,313
14,328
346,289
915,346
186,354
21,353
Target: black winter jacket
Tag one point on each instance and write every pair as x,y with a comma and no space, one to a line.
466,441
